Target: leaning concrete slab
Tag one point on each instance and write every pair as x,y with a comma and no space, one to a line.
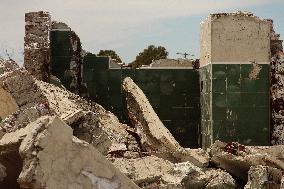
154,135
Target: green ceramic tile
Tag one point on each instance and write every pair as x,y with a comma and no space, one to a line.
219,85
219,100
234,99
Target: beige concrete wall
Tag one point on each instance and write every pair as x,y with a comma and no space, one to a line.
234,37
240,38
205,42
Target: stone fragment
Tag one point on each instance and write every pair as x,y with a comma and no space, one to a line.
152,172
264,177
7,104
210,179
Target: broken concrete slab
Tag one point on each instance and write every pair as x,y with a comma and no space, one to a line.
152,172
154,137
90,121
53,158
210,179
264,177
106,134
7,104
20,86
236,159
198,157
21,118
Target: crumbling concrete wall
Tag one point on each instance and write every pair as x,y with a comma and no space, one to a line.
277,88
234,75
37,45
277,99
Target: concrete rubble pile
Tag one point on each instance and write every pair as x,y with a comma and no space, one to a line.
52,138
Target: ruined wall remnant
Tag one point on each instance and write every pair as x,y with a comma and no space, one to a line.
275,41
66,56
277,99
234,78
37,45
277,88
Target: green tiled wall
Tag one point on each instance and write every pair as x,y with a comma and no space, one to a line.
61,54
173,93
239,105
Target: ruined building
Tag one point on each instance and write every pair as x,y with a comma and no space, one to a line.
230,97
51,138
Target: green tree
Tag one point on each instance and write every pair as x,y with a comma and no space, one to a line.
110,53
150,54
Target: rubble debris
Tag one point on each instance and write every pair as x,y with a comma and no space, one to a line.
18,91
238,163
43,145
264,177
152,172
91,122
21,118
154,137
7,65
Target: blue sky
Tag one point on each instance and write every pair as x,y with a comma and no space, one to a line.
129,26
